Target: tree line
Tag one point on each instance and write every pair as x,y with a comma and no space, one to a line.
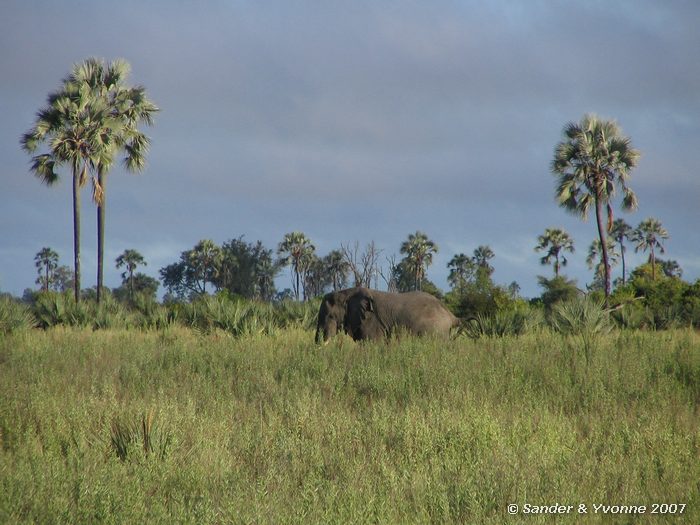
94,117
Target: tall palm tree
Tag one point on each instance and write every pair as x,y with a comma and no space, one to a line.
72,124
555,241
46,262
296,250
648,236
462,268
127,107
591,163
419,251
621,231
131,259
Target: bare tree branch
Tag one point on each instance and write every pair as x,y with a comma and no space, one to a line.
363,265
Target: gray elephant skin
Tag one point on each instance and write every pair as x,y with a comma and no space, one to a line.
370,314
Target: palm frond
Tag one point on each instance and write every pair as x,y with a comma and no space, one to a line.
43,167
97,192
629,201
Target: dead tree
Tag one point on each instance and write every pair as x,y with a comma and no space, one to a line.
389,278
363,265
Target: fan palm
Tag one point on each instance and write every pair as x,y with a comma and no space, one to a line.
127,108
296,250
648,236
621,231
46,262
72,125
419,251
555,241
482,256
131,259
592,162
462,268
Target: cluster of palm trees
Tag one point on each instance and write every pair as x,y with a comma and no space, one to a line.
297,251
464,269
91,119
311,274
648,236
54,277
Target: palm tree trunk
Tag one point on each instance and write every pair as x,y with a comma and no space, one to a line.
653,264
131,284
556,266
100,235
296,274
603,247
622,254
46,283
76,231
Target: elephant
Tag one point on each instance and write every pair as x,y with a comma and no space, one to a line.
370,314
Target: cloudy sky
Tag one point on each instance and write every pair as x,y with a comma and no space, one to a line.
356,121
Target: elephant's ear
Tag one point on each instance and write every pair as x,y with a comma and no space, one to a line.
367,301
370,303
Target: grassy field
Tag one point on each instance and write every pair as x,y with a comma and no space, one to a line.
174,426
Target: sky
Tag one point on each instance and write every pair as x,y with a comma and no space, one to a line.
356,121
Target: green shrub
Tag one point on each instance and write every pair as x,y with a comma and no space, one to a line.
582,319
298,314
149,314
235,316
510,322
557,290
54,309
15,316
580,316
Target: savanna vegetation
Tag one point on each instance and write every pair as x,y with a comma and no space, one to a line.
178,426
212,404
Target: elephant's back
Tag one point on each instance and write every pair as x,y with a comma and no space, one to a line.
428,313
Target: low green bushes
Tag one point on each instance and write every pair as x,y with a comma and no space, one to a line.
15,316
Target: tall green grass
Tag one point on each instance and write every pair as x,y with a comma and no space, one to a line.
182,426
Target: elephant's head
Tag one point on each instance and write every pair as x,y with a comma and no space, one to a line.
332,314
362,320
